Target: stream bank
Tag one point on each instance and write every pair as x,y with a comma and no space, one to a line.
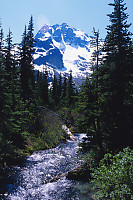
32,180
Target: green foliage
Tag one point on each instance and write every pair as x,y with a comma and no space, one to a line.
113,179
22,128
69,116
105,100
86,105
106,111
52,135
49,137
26,63
25,115
70,90
115,76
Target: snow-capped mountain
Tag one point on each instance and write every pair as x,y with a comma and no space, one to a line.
63,48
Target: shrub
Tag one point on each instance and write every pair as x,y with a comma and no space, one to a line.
113,179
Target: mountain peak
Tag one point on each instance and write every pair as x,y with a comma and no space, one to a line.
63,48
64,25
45,28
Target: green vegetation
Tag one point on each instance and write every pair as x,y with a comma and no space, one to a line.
24,127
105,104
113,179
102,108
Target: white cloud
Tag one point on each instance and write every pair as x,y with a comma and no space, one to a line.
42,20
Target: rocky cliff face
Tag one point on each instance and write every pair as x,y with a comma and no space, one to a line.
63,48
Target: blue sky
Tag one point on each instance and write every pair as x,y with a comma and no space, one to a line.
80,14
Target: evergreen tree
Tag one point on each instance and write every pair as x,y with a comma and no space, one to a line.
42,91
15,79
6,100
5,116
44,86
11,68
3,94
108,109
31,51
118,41
8,57
1,40
116,79
64,86
70,90
26,62
54,90
24,67
59,89
89,107
38,88
86,109
96,134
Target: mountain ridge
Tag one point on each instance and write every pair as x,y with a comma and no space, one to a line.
63,49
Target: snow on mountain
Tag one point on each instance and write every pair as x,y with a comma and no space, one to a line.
63,48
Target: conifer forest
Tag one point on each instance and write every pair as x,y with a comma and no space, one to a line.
102,107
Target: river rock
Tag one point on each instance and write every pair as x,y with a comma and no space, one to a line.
80,173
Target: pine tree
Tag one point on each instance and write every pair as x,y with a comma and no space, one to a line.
59,89
44,86
38,88
70,90
64,86
106,99
30,41
89,106
5,99
54,90
8,57
3,92
24,67
1,40
89,119
115,79
86,108
118,41
27,62
11,70
95,110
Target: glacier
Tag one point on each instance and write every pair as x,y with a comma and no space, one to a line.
63,49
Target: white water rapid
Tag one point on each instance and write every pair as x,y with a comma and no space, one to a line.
33,179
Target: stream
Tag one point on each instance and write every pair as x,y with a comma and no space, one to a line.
33,180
